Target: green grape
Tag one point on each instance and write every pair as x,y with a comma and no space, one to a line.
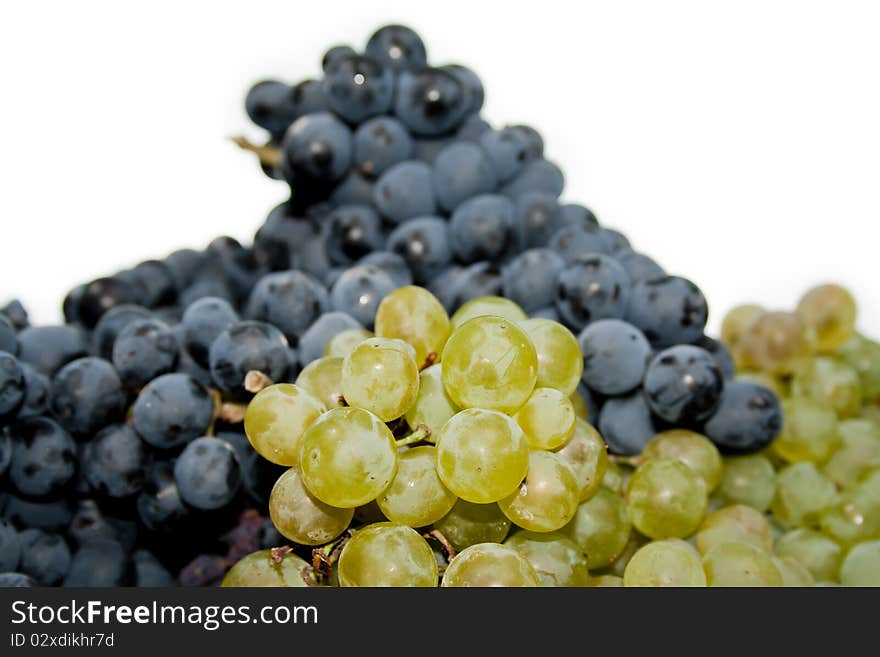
670,562
547,419
774,383
416,496
577,402
809,431
666,499
736,322
560,364
830,311
555,558
276,420
605,581
802,493
468,524
432,407
387,554
344,342
548,497
414,315
618,566
259,569
381,376
489,564
488,362
777,342
861,567
323,379
300,516
482,456
855,518
348,457
749,480
859,452
587,455
740,564
735,523
616,477
600,528
869,483
864,355
691,448
815,552
830,382
793,573
491,306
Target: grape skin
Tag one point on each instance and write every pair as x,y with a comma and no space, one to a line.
587,455
387,554
380,375
416,316
276,419
548,497
416,497
666,499
669,562
490,564
259,569
560,365
300,516
547,419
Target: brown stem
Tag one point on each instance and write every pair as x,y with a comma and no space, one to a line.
232,413
278,553
430,359
255,380
269,156
438,536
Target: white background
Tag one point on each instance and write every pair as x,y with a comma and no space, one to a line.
736,142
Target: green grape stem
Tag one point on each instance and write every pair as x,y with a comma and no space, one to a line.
422,433
269,156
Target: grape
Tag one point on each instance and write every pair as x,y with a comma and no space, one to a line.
859,452
626,423
379,144
405,191
113,461
639,266
793,573
416,316
8,340
398,46
773,383
472,84
44,557
13,388
802,493
316,148
347,457
468,524
488,306
100,562
462,170
594,287
425,245
99,296
817,553
489,564
603,581
430,101
313,343
737,322
548,497
508,150
538,175
144,349
244,347
48,348
536,219
323,379
669,310
683,385
748,418
202,322
601,528
830,312
276,419
207,473
416,496
547,419
555,558
380,375
830,382
777,342
433,407
670,562
387,554
488,362
665,498
308,97
740,564
159,505
721,354
855,518
358,291
16,580
110,326
864,356
269,104
10,547
861,566
481,228
344,342
87,395
587,456
479,280
735,523
482,455
529,279
172,410
358,87
260,569
300,516
691,448
559,362
809,431
616,355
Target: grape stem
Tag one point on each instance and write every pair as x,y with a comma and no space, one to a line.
438,536
278,553
269,156
430,359
255,380
421,433
325,556
231,413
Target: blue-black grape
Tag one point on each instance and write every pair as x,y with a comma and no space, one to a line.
536,219
113,461
202,322
508,149
481,228
49,348
472,84
720,353
351,232
480,279
13,387
45,557
101,295
111,325
101,562
10,547
247,346
159,506
289,300
594,287
359,290
334,54
17,315
748,418
184,266
172,410
52,516
533,139
281,237
573,242
472,129
626,423
8,339
683,384
462,170
592,402
379,144
149,571
15,581
87,394
536,176
315,339
354,189
431,101
5,453
577,215
91,523
207,473
257,474
393,264
530,278
444,284
615,241
43,458
234,263
269,104
639,266
206,287
398,46
424,244
155,283
427,149
405,191
143,350
615,354
358,87
547,312
308,97
316,149
669,310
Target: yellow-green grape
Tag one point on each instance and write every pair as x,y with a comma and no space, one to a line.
802,493
381,376
348,457
740,564
774,383
869,483
600,528
300,516
468,524
815,552
555,558
749,480
259,569
830,311
276,419
829,382
587,455
616,477
736,322
670,562
492,306
861,567
859,452
855,518
490,564
433,407
416,496
577,402
691,448
735,523
666,499
809,431
777,342
606,581
344,342
793,572
482,456
548,497
323,379
618,566
489,362
547,419
415,316
387,554
560,363
864,355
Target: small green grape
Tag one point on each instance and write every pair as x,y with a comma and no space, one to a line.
547,419
737,321
300,516
491,306
830,382
344,342
555,557
749,480
855,518
548,497
809,431
414,315
861,567
490,564
416,496
666,499
381,376
387,554
830,311
777,342
859,452
616,477
691,448
740,564
802,493
793,573
432,407
600,528
577,402
864,356
560,364
468,524
815,552
670,562
735,523
606,581
323,379
774,383
276,419
259,569
587,455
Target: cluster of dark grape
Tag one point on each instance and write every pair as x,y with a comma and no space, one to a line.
122,453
